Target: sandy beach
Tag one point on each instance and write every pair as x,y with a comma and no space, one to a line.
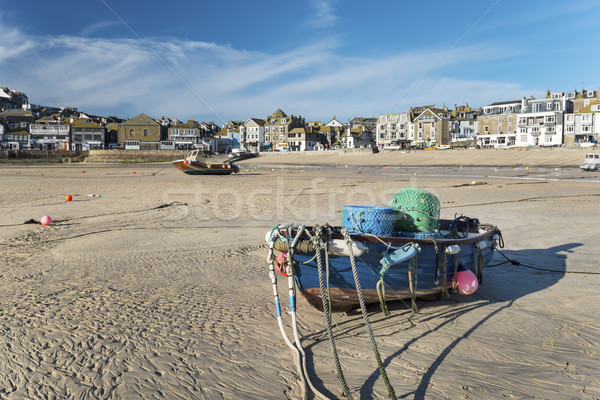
153,284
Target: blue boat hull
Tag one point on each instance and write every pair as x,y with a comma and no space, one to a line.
429,279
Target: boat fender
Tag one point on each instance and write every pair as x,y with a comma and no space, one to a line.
400,255
338,247
453,249
482,244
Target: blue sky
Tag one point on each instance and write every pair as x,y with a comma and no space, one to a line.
231,60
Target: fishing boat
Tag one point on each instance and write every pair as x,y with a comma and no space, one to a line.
410,265
591,162
192,166
443,147
376,255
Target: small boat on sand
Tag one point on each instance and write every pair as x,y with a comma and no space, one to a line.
419,265
192,166
591,162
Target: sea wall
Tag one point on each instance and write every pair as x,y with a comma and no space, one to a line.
41,155
134,156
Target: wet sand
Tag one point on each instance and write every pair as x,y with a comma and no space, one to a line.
153,284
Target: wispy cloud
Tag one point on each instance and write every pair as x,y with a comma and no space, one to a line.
98,27
125,77
325,14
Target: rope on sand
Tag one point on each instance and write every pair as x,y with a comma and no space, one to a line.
365,314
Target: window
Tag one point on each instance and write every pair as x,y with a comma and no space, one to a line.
486,129
570,128
131,132
509,119
550,119
586,103
145,132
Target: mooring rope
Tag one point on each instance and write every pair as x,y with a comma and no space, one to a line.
319,246
363,308
295,351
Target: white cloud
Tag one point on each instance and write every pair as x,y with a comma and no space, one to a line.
98,27
207,81
324,13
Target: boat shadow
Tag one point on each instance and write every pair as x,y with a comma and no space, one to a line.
511,275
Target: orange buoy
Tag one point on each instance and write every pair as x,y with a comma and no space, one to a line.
69,197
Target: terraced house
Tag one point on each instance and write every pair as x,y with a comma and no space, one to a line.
87,135
497,126
540,122
277,127
252,134
430,126
392,130
50,133
185,136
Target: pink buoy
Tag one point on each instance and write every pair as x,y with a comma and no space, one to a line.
46,220
466,282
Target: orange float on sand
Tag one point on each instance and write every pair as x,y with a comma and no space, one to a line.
69,197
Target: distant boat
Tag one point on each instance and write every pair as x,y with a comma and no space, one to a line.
392,147
191,166
591,162
442,147
587,144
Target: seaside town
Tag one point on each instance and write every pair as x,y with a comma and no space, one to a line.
568,119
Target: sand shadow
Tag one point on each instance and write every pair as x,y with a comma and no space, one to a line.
512,274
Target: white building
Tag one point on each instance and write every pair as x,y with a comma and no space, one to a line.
252,134
50,136
583,128
393,129
540,122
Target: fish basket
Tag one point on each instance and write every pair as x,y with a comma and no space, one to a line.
419,210
378,221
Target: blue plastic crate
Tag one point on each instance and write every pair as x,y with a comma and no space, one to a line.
378,221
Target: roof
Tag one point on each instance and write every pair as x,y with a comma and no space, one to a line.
85,123
17,132
298,130
500,103
257,121
141,119
278,114
588,108
17,111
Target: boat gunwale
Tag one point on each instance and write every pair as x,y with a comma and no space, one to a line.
489,231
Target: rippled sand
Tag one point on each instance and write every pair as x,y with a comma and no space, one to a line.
153,284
